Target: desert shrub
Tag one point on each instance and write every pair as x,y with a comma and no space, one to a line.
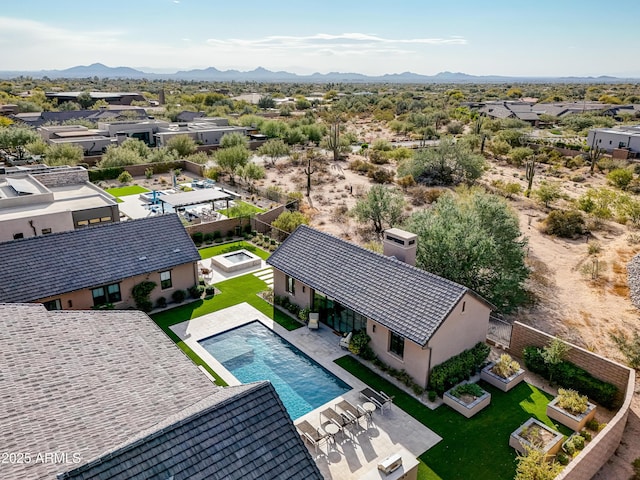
519,155
533,465
378,157
125,177
571,401
455,128
361,166
620,177
593,247
564,223
629,347
179,296
506,366
381,175
458,368
406,182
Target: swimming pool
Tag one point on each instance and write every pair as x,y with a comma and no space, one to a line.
254,352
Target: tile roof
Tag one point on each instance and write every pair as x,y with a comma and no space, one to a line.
44,266
240,432
405,299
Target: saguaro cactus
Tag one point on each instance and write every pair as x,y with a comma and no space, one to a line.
308,172
530,171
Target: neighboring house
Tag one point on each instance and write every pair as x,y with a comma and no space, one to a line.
107,395
610,139
202,132
38,119
99,265
112,98
41,200
415,319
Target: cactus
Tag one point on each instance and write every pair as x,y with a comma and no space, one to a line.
308,172
530,171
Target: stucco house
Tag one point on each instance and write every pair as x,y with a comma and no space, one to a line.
82,269
415,319
107,395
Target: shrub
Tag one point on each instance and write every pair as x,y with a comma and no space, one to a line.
564,223
148,173
208,237
197,237
620,177
381,175
432,395
209,290
578,442
506,366
140,294
303,314
571,401
533,465
161,302
293,308
629,347
586,435
125,177
594,425
458,368
562,458
472,389
196,291
569,447
358,342
179,296
105,174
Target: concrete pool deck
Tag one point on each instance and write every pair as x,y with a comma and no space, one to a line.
352,456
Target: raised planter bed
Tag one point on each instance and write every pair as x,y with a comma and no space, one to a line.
535,434
501,383
467,405
568,419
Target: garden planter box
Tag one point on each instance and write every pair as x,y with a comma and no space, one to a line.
466,408
574,422
552,439
504,384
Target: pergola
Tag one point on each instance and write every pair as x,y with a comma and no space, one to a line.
184,199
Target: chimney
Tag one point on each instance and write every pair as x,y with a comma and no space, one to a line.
400,244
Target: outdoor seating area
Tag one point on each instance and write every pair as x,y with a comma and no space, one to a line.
379,399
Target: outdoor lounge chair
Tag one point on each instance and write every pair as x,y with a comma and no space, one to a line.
354,412
346,340
314,319
311,434
379,399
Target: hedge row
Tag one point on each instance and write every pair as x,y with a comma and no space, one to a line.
458,368
569,375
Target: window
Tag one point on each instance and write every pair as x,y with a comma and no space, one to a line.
396,344
83,223
464,304
291,285
105,219
165,280
53,304
17,236
94,220
46,231
106,294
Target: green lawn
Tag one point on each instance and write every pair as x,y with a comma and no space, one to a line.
471,448
209,252
247,208
124,191
232,292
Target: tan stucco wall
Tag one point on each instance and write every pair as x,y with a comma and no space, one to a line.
57,222
182,277
302,297
460,331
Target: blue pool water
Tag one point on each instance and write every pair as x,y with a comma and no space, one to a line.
254,352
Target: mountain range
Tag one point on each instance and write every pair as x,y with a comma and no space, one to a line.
260,74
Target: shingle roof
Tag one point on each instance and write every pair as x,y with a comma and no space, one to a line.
40,267
240,432
403,298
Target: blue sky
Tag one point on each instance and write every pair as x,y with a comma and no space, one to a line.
521,38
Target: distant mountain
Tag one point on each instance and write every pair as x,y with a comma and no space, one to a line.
260,74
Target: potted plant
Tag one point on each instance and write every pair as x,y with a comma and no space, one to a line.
571,409
535,434
503,374
467,398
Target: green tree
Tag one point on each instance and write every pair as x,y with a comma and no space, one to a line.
119,157
547,192
473,238
274,149
161,154
229,159
15,139
382,206
449,163
182,145
137,146
289,221
85,100
266,101
234,139
250,172
63,154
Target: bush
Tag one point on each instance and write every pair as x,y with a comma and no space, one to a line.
179,296
506,366
578,442
620,177
569,375
571,401
161,302
458,368
209,290
562,458
105,174
564,223
432,395
303,314
196,291
472,389
381,175
197,237
358,342
140,294
125,177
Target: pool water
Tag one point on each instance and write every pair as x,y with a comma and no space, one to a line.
237,257
254,352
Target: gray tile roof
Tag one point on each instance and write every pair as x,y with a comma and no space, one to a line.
403,298
84,382
240,432
40,267
132,406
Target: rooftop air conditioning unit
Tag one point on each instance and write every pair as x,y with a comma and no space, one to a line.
390,464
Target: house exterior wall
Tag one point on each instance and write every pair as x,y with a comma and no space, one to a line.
302,296
608,140
90,214
57,222
415,360
461,330
182,277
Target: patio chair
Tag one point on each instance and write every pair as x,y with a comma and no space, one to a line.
345,341
355,412
379,399
341,421
314,319
311,434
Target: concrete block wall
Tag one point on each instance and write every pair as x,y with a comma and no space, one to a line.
222,226
62,177
599,450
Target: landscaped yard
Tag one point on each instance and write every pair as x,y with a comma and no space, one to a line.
124,191
244,209
471,448
209,252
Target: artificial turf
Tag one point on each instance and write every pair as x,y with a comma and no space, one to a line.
477,447
209,252
248,209
128,190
